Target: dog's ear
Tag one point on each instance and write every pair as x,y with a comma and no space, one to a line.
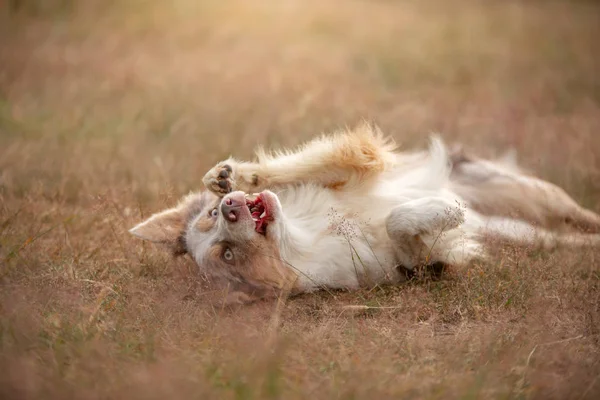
169,226
163,227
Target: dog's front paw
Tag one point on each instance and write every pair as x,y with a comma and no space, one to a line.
220,179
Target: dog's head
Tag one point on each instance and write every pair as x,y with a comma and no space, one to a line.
236,238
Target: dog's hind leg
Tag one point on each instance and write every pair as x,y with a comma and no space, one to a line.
521,233
495,189
336,161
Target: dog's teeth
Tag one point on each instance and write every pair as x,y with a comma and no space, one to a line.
263,214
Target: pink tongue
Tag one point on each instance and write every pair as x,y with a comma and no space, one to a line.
257,213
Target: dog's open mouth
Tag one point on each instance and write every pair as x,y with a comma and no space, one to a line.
260,213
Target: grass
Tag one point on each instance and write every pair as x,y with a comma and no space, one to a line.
110,111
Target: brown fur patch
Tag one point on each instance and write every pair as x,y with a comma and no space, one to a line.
364,150
336,185
205,224
258,265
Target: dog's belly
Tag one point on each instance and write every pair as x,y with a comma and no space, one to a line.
336,239
346,262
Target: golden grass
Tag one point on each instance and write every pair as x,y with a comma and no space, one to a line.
112,110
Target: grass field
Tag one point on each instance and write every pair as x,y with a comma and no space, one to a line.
112,110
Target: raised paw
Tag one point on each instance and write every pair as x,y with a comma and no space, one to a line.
425,216
220,179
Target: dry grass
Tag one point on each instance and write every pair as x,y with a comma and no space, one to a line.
112,110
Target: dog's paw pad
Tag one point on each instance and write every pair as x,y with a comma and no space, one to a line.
220,179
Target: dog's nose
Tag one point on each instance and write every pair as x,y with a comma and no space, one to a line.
230,208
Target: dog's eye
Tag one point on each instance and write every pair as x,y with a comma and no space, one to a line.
228,255
213,213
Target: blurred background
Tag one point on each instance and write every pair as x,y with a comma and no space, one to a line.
111,110
144,94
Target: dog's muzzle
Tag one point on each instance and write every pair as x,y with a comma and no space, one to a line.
231,207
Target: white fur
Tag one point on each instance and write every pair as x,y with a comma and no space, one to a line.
335,238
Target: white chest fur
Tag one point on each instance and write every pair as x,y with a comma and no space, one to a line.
328,239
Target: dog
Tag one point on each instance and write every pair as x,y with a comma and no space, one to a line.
347,210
